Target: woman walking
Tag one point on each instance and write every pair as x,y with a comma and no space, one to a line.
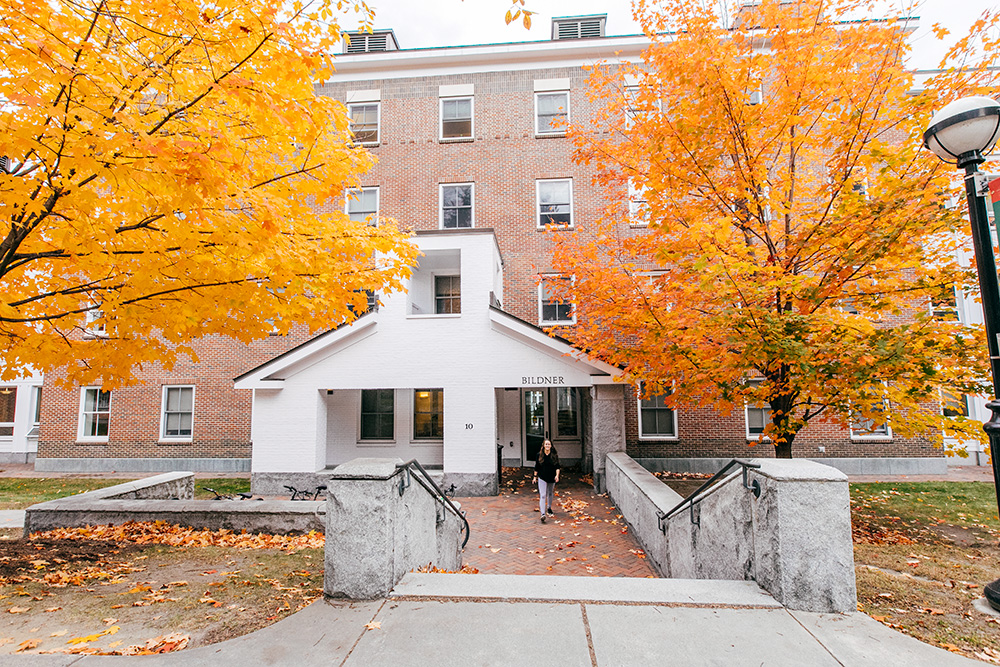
547,474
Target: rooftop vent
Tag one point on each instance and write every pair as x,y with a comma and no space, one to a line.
363,42
578,27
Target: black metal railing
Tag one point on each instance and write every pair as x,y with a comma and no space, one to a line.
432,488
694,498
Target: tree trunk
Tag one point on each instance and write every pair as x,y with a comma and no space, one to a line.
783,448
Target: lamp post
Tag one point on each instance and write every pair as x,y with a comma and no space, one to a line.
960,134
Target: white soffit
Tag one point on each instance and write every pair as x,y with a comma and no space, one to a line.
457,90
374,95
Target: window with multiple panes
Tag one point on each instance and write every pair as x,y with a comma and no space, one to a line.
953,404
555,202
362,205
456,118
177,419
656,420
638,206
567,412
8,401
95,322
944,304
428,414
456,205
876,426
551,112
553,309
95,413
364,122
447,294
758,416
378,409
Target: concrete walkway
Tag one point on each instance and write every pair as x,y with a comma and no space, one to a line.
499,620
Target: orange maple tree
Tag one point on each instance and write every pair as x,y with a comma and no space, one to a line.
168,172
794,233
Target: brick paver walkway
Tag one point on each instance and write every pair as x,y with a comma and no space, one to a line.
586,537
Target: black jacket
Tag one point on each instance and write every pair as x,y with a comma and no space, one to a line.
546,466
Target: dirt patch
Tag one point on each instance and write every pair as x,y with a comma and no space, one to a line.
19,556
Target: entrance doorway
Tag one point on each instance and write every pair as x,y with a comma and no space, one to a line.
553,413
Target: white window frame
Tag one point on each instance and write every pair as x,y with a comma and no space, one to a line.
638,204
378,120
472,117
558,132
936,313
163,414
10,390
472,193
36,404
755,437
434,292
82,416
93,327
378,202
643,436
871,435
377,442
538,204
554,323
413,417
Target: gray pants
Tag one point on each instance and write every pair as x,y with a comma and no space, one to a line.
546,491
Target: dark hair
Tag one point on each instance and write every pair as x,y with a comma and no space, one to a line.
553,454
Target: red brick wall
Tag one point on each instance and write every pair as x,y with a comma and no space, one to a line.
221,427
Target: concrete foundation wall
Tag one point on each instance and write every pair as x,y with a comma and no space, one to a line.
886,465
141,465
794,541
168,498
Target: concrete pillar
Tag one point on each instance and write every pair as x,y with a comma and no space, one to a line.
380,524
803,553
607,426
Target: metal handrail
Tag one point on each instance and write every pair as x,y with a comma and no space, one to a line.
434,490
693,498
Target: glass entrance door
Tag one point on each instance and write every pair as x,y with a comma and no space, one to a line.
535,402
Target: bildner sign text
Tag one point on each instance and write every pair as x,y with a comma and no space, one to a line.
542,379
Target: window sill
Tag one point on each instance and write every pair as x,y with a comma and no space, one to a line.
550,135
426,443
555,228
376,443
871,438
187,441
561,323
660,438
432,316
757,438
457,140
92,442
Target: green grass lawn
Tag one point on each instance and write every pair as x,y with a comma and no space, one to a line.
970,505
17,493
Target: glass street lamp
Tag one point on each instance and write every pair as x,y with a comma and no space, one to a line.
960,134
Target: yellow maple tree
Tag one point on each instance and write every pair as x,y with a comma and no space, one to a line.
168,172
798,237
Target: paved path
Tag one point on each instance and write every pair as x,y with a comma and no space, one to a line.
587,537
458,620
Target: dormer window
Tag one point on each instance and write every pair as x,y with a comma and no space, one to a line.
578,27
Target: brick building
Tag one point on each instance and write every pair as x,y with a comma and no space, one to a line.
470,145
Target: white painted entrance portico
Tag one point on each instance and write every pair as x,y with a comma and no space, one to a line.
446,388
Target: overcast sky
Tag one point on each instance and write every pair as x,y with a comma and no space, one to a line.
421,23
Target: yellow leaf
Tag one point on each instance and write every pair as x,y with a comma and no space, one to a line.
94,637
373,625
19,610
59,634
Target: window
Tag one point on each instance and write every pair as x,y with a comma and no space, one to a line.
954,405
567,415
364,122
944,304
362,205
370,303
95,414
758,416
377,414
428,414
95,322
870,427
447,295
36,405
178,413
638,206
551,112
456,206
656,420
8,400
553,309
555,202
456,118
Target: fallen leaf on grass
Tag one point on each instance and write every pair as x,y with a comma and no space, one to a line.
27,645
932,612
51,609
605,556
178,583
162,644
6,640
494,550
208,600
59,634
885,595
140,589
109,621
19,610
115,644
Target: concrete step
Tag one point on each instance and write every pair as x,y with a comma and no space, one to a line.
522,588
